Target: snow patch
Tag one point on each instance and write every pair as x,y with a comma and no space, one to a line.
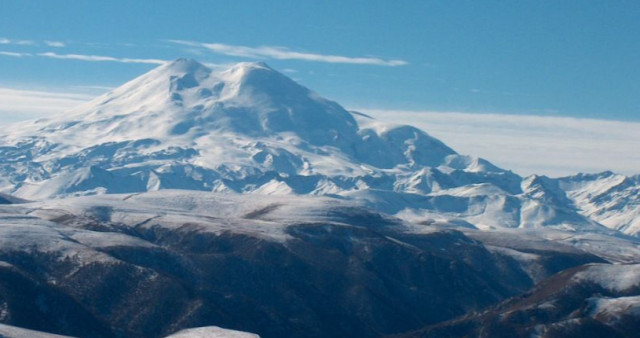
211,332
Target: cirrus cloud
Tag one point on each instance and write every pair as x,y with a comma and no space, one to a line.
57,44
15,54
5,41
283,53
100,58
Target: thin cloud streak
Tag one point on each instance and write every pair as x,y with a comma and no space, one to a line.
57,44
282,53
84,57
5,41
100,58
24,42
50,43
528,144
14,54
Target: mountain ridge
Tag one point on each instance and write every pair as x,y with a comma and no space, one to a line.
251,129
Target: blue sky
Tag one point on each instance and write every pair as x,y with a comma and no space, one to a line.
572,58
556,59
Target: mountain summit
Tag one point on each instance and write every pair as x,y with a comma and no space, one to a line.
246,119
252,130
145,211
184,102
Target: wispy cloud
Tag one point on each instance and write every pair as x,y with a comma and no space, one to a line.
100,58
5,41
14,54
530,144
84,57
24,42
283,53
57,44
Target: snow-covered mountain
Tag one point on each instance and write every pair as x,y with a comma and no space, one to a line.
250,129
190,198
610,199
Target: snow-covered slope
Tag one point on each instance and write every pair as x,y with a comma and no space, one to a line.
8,331
610,199
150,264
212,332
252,130
586,301
247,129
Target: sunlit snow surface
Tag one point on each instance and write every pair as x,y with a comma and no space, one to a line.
611,309
249,132
7,331
612,277
211,332
37,226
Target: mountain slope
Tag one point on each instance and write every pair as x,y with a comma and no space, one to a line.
150,264
586,301
250,129
247,129
608,198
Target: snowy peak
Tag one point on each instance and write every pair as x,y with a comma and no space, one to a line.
152,89
184,65
258,78
273,103
251,129
185,112
185,97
